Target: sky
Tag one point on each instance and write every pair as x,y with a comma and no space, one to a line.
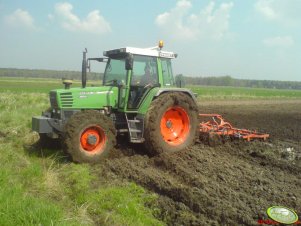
246,39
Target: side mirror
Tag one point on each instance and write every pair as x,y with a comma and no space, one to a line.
180,82
129,62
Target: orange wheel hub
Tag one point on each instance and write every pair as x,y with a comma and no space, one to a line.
175,126
93,139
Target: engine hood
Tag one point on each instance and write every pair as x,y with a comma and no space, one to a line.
85,98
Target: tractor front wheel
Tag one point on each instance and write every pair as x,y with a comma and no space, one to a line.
171,123
89,136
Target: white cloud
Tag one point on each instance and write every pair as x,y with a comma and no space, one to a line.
279,41
20,18
286,12
50,16
93,23
212,21
266,9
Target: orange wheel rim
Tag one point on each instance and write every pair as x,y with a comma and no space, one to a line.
175,126
93,139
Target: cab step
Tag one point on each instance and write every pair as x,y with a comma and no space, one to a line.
135,126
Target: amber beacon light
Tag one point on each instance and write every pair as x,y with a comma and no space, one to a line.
160,44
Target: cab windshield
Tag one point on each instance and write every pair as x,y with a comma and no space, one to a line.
115,73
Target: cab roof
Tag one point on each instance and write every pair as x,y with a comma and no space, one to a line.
155,52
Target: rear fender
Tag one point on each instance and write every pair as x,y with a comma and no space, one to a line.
153,94
186,91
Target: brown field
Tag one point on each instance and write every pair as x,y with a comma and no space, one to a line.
230,184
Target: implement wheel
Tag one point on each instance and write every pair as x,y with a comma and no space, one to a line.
171,123
89,136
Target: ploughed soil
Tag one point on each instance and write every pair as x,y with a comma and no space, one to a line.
229,184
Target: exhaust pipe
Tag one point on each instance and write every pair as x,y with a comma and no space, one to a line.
84,69
67,83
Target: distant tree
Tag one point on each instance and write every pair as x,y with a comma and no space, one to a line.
179,79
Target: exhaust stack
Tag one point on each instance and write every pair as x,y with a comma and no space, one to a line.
67,83
84,69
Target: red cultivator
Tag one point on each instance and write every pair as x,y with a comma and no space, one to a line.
217,125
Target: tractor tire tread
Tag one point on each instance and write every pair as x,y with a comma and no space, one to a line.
77,124
153,139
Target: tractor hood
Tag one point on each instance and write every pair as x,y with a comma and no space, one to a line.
87,98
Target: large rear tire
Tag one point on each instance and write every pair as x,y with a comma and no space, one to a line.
89,136
171,123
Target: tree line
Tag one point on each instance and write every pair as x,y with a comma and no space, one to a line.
188,80
229,81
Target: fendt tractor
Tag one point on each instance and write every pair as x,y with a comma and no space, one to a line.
138,97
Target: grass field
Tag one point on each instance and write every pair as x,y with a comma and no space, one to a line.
223,92
35,85
42,187
204,92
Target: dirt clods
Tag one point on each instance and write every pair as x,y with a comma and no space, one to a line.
232,183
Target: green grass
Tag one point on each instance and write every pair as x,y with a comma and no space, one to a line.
18,207
35,85
28,85
116,207
40,85
222,92
42,187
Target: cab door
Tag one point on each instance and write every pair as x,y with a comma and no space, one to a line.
143,78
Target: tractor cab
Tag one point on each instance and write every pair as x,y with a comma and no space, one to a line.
135,71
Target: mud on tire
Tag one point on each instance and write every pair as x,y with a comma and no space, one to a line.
89,136
161,119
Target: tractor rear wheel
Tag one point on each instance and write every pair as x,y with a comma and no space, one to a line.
171,123
89,136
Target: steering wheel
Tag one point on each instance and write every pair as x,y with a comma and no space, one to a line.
113,81
148,85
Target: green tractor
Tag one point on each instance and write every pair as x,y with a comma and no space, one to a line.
138,98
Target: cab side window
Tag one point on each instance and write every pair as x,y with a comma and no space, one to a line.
168,79
144,71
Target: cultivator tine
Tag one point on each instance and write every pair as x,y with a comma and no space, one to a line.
219,126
